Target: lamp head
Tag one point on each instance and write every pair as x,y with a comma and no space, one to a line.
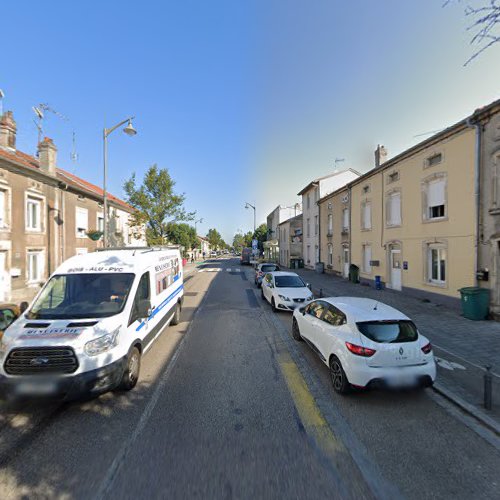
129,129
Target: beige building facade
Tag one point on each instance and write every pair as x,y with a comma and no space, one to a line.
290,234
45,215
412,219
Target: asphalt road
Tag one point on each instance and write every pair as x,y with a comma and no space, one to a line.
229,406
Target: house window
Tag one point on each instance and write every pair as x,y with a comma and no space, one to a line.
100,222
393,212
393,177
34,270
330,224
435,193
436,264
308,228
367,257
345,219
330,254
433,160
366,189
308,253
33,213
366,215
316,225
3,199
316,195
82,222
308,201
329,205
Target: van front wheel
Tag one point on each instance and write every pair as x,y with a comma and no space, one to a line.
131,373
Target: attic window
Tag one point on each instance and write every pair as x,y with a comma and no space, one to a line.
366,189
329,205
393,177
435,159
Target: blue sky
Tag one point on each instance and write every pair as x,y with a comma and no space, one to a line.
240,100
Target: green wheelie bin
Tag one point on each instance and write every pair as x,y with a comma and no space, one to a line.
475,302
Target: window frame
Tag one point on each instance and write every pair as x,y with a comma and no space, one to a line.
38,201
81,210
425,183
366,269
439,248
40,253
366,205
388,208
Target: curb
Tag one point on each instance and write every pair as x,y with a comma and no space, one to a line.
471,410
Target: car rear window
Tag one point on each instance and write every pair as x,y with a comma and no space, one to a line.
386,332
270,268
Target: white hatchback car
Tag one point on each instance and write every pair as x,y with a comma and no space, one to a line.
365,343
285,291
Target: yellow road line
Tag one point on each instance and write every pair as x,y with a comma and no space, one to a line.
310,415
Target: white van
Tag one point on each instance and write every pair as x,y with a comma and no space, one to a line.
87,329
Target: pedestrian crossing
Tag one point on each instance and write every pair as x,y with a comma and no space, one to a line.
220,269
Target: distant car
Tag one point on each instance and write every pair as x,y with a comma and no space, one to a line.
213,253
365,343
246,256
285,291
263,268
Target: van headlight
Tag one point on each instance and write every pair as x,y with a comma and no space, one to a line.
102,344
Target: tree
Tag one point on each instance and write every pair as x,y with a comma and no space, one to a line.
182,234
260,234
485,25
238,242
215,239
156,204
248,239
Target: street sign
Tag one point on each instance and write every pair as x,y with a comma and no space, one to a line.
255,244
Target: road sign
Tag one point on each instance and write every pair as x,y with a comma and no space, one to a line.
255,244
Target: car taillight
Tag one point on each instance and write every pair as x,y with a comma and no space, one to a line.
360,351
427,348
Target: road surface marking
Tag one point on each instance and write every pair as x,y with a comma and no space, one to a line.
449,365
310,415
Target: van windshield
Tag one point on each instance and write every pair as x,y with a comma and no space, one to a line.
75,296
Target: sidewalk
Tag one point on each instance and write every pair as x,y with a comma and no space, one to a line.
462,347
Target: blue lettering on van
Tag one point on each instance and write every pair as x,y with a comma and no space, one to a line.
160,307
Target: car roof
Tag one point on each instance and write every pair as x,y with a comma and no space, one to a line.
268,264
282,273
362,309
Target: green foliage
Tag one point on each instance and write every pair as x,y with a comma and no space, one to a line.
182,234
156,204
239,242
261,234
215,239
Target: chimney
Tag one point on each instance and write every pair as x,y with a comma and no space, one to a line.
380,155
47,155
8,129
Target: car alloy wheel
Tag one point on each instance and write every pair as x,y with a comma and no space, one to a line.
338,377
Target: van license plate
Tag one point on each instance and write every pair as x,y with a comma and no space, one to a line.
36,388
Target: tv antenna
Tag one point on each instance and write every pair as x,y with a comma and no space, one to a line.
38,122
74,154
338,160
431,132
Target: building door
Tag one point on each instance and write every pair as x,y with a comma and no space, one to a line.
395,261
345,262
4,281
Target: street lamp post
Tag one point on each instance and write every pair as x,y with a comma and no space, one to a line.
249,205
129,130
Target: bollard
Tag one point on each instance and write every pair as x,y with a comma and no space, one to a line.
320,293
487,388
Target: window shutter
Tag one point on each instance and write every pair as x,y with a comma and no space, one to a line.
394,207
435,193
367,216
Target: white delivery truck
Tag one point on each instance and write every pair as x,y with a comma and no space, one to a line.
86,330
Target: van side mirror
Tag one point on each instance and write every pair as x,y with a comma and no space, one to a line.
23,306
144,308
